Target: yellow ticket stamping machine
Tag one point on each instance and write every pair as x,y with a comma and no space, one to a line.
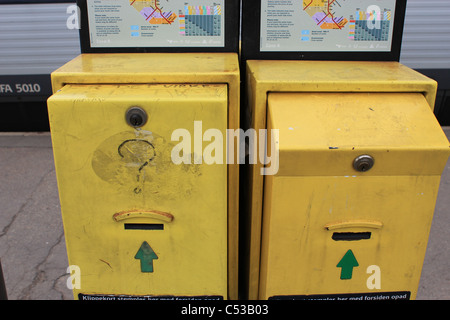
138,124
347,212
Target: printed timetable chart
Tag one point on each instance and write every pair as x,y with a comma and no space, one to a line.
370,26
201,20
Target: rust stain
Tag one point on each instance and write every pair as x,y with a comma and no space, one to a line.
135,213
105,262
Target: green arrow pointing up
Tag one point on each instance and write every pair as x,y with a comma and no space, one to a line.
146,255
347,263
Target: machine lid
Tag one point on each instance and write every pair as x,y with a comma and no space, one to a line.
353,134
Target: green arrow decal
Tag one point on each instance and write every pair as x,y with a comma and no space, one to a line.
146,255
347,263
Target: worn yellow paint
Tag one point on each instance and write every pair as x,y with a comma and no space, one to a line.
298,255
354,223
318,192
170,69
150,68
390,127
99,175
324,151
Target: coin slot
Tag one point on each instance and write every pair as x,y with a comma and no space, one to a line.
351,236
143,226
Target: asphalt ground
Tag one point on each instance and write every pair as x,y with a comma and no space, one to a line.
32,244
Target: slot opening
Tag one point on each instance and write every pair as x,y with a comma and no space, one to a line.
351,236
143,226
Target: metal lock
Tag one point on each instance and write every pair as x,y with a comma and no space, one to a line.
363,163
136,117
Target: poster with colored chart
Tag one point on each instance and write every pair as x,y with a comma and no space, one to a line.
156,23
327,25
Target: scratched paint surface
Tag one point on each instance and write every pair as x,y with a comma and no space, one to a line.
139,161
317,186
104,166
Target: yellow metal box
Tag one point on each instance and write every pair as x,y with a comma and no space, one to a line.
348,213
332,229
147,209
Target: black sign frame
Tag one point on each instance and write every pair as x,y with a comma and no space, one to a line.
251,35
231,35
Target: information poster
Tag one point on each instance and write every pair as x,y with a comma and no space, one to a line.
327,25
156,23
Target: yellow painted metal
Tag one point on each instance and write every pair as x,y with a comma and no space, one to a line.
394,128
170,69
110,174
313,76
317,192
151,68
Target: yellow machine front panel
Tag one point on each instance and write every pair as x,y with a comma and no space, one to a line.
265,77
385,219
331,231
144,209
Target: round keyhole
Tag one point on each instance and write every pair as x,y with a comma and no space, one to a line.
136,117
363,163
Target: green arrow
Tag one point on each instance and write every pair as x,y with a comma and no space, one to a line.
146,255
347,263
